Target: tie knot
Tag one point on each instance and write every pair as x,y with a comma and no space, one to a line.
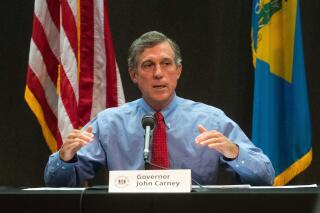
158,116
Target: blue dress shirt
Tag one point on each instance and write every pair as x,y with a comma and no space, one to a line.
119,142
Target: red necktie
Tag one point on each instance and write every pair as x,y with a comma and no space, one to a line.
159,144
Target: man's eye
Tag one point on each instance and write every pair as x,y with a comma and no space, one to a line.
167,63
147,65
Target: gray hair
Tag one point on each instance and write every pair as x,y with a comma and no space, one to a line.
148,40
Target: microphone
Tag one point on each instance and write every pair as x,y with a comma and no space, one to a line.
148,124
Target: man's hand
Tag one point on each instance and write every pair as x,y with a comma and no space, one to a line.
75,140
216,140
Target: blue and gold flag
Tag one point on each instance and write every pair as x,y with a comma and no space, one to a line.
281,119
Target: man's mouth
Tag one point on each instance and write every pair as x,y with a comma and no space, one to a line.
159,86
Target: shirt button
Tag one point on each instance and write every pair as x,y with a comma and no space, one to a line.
242,162
58,164
63,167
237,165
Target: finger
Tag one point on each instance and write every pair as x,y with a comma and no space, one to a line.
88,134
207,135
201,128
89,129
74,133
68,151
216,146
71,142
88,137
84,135
75,146
211,141
81,141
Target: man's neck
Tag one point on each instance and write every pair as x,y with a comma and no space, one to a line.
158,106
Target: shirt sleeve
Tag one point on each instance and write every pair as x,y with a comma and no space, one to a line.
252,166
86,162
59,173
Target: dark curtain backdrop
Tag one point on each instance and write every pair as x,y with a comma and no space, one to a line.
215,40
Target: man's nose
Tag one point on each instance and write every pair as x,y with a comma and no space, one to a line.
158,71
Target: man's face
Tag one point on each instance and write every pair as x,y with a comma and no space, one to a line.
156,75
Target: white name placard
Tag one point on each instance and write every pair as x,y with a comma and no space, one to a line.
159,181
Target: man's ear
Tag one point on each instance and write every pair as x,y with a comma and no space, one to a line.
179,69
133,75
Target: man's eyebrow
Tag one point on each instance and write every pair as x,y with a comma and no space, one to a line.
147,60
164,59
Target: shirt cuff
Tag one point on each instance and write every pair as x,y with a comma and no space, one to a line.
56,163
240,161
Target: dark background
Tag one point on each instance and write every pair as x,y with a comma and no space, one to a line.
215,40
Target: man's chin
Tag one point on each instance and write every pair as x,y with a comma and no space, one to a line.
161,98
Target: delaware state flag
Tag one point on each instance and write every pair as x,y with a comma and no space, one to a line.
281,119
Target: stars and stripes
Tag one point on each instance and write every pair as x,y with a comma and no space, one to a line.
72,72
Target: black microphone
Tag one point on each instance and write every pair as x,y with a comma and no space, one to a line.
148,124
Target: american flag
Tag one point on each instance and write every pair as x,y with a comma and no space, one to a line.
72,72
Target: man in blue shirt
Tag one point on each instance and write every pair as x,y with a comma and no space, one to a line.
199,137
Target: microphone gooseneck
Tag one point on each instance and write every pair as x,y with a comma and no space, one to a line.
148,124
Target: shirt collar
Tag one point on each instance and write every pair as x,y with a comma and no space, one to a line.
165,112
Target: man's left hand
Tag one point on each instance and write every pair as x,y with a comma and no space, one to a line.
216,140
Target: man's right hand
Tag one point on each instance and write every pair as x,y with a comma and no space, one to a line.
75,140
